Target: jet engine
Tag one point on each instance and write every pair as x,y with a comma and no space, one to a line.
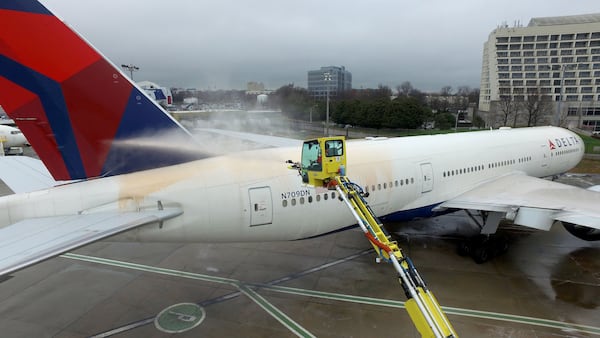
583,232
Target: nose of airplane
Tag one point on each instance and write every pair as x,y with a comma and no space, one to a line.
23,139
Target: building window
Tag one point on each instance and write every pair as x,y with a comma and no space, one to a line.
553,44
567,59
542,38
515,46
584,74
541,53
528,53
514,54
502,54
530,75
544,82
566,45
529,60
582,59
503,68
566,52
528,46
531,83
595,43
566,37
580,44
516,68
554,37
585,82
517,82
530,68
541,45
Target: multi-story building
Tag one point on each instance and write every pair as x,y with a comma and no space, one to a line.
555,61
332,79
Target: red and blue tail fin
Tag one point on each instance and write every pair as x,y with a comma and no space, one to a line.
82,116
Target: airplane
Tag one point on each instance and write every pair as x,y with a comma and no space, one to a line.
122,166
11,137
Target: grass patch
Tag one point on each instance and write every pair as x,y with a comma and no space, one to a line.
590,143
587,166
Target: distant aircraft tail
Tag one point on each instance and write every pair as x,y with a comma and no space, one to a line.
82,116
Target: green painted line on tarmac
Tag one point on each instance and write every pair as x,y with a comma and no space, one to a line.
334,296
275,312
448,310
258,299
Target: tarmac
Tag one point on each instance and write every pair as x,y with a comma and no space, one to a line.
546,285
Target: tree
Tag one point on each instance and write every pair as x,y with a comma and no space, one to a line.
507,107
405,88
293,101
535,107
444,120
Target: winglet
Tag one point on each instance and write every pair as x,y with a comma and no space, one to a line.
81,114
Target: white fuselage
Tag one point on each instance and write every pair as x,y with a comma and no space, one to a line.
11,137
254,196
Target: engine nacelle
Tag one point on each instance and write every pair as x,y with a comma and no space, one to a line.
582,232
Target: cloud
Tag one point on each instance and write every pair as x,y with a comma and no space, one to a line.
224,44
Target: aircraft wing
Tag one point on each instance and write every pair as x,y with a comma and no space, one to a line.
25,174
532,202
33,240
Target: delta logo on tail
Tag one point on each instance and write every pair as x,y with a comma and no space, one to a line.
82,115
552,146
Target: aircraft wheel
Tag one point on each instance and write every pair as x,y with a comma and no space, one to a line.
464,248
481,255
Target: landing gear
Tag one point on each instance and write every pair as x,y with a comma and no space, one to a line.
482,248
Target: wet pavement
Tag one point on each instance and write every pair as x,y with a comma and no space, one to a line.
546,285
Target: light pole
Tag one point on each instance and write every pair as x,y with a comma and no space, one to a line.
456,122
560,94
327,78
131,68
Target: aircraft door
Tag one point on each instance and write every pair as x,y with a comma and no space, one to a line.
427,176
261,206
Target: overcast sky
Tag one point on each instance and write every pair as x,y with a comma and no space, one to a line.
226,43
